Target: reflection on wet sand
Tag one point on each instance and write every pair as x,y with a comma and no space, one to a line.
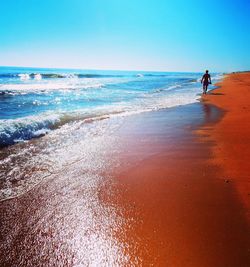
67,218
64,222
143,195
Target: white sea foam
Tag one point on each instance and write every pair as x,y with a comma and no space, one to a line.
217,77
32,126
47,86
24,76
74,142
76,135
38,76
114,102
16,130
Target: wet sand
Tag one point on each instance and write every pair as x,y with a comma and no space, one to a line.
187,213
232,133
169,201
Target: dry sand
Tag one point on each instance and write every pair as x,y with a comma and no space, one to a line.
232,133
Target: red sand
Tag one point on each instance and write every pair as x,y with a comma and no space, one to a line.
186,199
232,133
178,202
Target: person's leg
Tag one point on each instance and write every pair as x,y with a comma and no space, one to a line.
206,88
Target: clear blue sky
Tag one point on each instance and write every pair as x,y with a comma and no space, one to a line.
177,35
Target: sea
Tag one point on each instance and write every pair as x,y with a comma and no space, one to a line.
50,118
35,101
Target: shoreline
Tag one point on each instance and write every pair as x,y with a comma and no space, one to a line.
163,204
190,215
232,132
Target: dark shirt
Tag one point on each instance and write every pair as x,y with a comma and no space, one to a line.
206,78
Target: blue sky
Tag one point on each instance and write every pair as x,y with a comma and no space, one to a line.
178,35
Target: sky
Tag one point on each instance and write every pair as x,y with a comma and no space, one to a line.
164,35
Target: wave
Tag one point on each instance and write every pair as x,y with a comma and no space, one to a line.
27,76
16,130
33,75
14,88
22,129
118,99
217,77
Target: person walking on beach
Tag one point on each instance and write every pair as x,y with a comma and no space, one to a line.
206,80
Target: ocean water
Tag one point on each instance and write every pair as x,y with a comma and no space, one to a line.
35,101
77,114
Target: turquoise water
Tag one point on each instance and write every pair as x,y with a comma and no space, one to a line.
34,101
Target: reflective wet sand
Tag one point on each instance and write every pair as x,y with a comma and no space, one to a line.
150,197
233,133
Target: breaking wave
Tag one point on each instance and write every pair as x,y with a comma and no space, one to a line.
18,130
13,88
27,76
35,101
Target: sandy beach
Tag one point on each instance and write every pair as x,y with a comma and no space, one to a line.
232,133
177,194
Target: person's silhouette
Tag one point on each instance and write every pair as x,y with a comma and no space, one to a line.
206,80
